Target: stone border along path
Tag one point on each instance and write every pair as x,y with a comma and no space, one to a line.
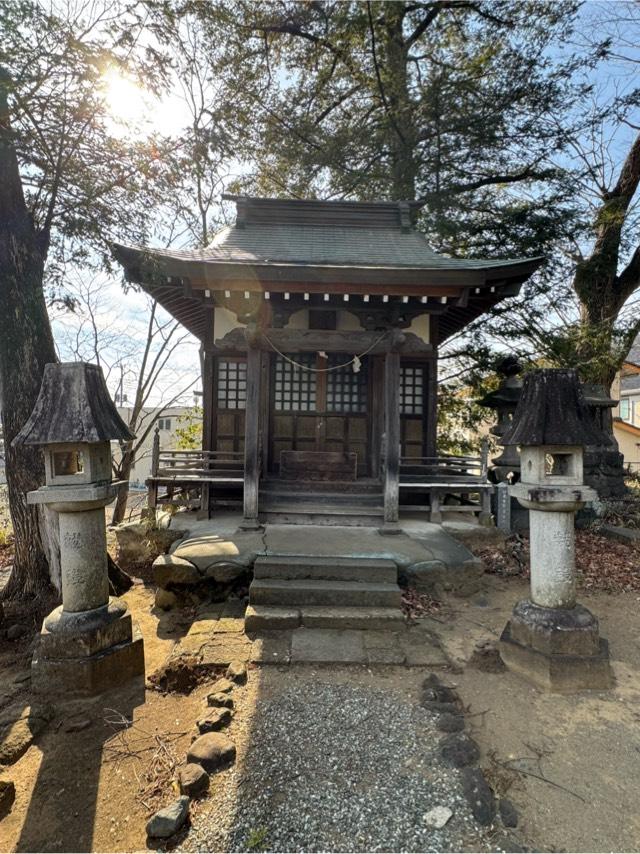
210,752
333,766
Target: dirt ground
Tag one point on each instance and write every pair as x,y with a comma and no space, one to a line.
586,746
570,764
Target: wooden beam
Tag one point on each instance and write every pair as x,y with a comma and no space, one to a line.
391,443
252,441
331,341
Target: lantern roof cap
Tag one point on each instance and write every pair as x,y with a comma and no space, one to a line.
552,411
73,406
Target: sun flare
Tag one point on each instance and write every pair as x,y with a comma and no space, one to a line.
126,101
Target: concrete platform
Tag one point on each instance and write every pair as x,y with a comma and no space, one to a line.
427,551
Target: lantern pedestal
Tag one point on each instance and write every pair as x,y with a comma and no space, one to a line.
91,660
558,649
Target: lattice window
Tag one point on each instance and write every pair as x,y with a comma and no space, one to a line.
411,389
346,390
295,388
232,384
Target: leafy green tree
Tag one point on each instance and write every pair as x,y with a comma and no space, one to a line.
439,102
189,433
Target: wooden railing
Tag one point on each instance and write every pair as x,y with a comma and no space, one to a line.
182,472
440,476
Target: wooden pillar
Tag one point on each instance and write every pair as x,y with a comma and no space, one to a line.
391,443
252,440
208,405
208,369
431,426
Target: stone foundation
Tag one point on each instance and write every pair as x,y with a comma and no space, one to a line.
559,650
87,653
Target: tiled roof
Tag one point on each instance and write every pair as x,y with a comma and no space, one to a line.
331,246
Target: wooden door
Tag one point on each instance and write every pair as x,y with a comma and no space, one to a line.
314,409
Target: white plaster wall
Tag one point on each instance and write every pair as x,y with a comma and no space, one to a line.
420,326
299,320
347,322
224,321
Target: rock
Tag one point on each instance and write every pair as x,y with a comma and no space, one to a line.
459,751
165,599
508,813
17,630
237,672
133,542
22,677
220,699
217,719
19,725
161,538
479,795
450,723
169,820
225,572
138,542
434,691
170,569
442,708
193,780
78,725
222,686
207,550
439,694
424,576
438,817
461,574
7,796
513,847
212,751
486,657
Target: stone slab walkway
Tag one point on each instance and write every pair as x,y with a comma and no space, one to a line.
216,637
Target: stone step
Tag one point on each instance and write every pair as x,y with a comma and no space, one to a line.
302,592
261,618
293,567
348,500
361,486
321,514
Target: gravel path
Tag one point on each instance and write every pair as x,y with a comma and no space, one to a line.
336,767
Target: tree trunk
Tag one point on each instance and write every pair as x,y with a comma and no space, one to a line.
124,473
399,107
26,346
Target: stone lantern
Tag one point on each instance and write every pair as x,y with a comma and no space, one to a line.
550,639
504,400
89,643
